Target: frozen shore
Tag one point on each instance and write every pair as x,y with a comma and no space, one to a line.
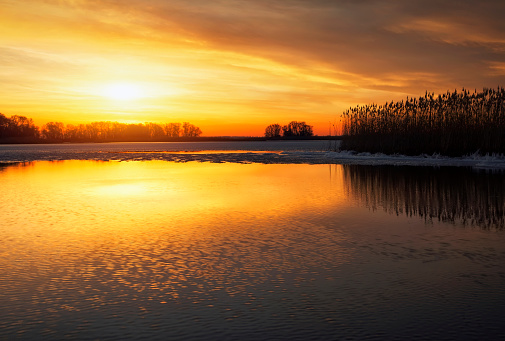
250,156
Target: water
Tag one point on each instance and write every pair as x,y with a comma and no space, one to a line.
170,250
145,150
269,152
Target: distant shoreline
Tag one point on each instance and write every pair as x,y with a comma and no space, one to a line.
20,140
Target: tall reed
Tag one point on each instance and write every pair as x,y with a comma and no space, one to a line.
456,123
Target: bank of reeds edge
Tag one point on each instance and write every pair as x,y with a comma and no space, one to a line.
453,124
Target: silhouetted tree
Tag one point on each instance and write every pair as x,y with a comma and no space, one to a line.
189,130
156,131
4,125
53,131
71,132
273,130
293,129
297,129
19,128
172,129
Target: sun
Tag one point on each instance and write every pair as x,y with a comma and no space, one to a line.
123,91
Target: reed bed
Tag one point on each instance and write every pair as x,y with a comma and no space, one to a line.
454,124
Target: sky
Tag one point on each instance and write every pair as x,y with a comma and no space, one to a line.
232,67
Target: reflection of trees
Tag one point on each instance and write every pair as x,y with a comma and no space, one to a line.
4,166
447,194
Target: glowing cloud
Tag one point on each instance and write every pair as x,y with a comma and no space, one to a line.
234,66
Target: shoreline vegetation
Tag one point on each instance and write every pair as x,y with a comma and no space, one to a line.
293,129
20,129
452,124
31,140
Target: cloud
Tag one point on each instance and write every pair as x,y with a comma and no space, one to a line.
370,41
454,41
264,51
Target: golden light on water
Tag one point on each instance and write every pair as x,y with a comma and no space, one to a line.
155,248
93,198
121,190
150,229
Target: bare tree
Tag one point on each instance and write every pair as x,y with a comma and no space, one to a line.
53,131
273,130
189,130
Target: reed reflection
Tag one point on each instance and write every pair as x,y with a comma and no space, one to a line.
108,250
455,195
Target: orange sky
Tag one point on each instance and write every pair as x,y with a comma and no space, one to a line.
232,67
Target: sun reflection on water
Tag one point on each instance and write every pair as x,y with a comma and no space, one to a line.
159,230
199,250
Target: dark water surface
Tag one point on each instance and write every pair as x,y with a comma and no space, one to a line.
164,250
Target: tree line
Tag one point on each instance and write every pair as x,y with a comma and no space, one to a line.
22,129
456,123
293,129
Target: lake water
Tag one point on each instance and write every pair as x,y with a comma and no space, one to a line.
157,249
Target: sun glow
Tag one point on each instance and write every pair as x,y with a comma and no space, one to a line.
123,91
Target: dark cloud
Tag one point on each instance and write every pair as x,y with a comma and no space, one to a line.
453,40
376,42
